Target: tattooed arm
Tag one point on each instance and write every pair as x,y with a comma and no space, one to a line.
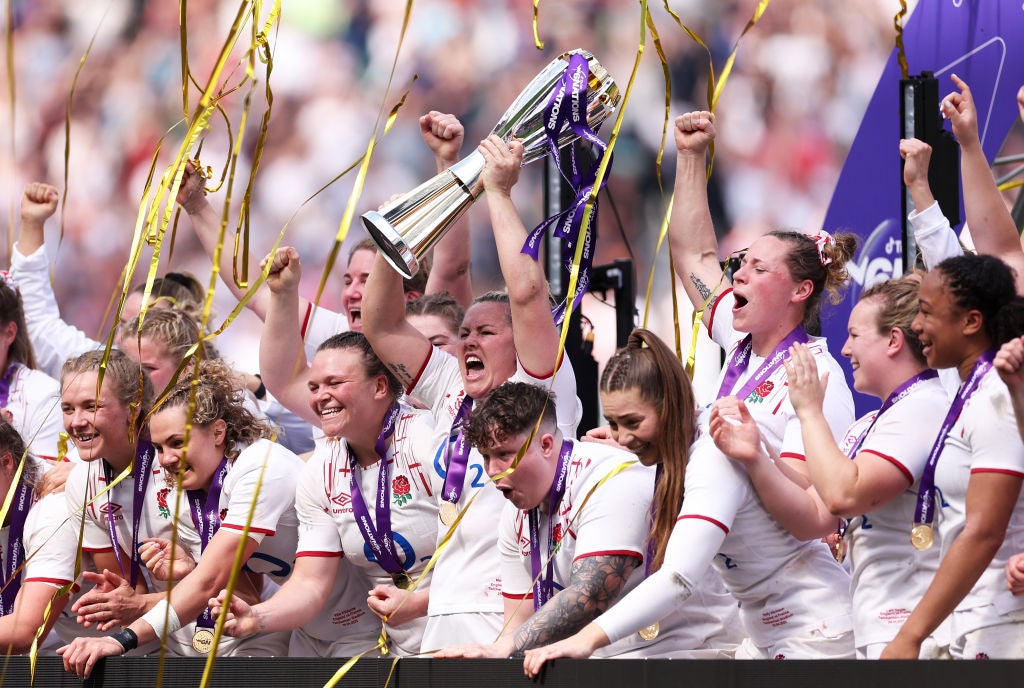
595,584
400,345
690,232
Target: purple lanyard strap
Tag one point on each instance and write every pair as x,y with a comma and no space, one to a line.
205,508
144,455
543,585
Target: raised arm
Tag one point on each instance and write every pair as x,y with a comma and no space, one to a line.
935,238
206,222
1009,363
992,227
690,232
53,340
533,329
443,134
401,346
283,364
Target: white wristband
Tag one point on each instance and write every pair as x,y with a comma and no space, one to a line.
156,617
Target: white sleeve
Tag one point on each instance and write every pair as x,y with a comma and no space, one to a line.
53,340
50,542
691,548
318,535
276,489
935,238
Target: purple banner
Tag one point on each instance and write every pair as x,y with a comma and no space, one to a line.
979,40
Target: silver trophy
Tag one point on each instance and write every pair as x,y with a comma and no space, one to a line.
408,227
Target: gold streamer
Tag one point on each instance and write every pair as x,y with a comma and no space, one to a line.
537,42
67,120
901,52
236,568
357,187
9,54
602,169
656,39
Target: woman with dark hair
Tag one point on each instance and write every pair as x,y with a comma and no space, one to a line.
29,396
232,475
793,596
774,301
969,307
368,495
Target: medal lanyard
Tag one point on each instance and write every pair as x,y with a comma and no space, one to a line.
379,537
15,547
144,455
205,508
924,512
543,583
457,454
740,359
901,392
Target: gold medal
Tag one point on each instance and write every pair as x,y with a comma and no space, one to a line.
448,513
651,632
840,550
202,641
921,536
401,580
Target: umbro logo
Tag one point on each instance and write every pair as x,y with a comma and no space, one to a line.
110,508
342,499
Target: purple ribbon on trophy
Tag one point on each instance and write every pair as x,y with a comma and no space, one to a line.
568,105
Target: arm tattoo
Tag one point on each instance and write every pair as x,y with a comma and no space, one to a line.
596,582
402,373
699,285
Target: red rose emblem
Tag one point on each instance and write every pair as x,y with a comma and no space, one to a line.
557,533
161,497
765,388
400,488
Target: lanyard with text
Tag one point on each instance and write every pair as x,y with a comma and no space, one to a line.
921,535
205,508
144,455
457,458
378,537
740,359
543,585
15,547
901,392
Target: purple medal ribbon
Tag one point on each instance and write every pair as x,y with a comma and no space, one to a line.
144,455
377,537
924,512
457,454
543,585
741,358
567,224
15,547
901,392
205,508
5,384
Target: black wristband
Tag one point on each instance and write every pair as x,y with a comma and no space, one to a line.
127,638
261,391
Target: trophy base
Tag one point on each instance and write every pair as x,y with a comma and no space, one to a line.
391,244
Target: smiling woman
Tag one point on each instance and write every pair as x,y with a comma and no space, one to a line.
225,465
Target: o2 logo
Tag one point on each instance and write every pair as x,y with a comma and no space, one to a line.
406,556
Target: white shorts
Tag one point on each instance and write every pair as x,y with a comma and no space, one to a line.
305,645
811,645
1001,641
454,629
